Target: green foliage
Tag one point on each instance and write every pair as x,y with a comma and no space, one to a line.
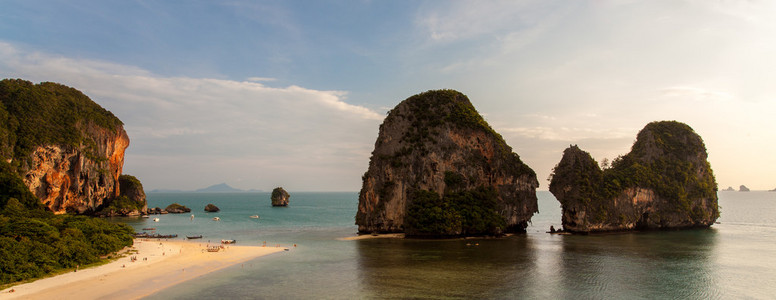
34,242
175,206
460,213
12,187
129,182
454,180
430,215
123,203
47,113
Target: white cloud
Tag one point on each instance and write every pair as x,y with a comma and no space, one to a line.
695,94
567,134
193,132
260,79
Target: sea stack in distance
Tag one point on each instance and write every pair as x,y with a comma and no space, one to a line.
280,197
212,208
664,182
439,170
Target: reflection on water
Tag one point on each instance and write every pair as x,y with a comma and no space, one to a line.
735,259
444,268
649,265
653,265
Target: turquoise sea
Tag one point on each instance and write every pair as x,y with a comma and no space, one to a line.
735,259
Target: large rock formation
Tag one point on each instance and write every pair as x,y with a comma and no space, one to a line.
68,150
743,188
438,169
664,182
279,197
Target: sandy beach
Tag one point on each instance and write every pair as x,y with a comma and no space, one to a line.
159,265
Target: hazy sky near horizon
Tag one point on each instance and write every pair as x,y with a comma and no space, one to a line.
259,94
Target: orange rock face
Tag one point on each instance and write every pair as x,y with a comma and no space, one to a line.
78,179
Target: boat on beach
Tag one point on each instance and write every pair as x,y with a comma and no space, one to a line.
213,248
191,237
155,235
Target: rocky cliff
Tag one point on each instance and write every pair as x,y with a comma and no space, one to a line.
438,169
68,150
664,182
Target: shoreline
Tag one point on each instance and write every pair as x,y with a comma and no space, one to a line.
159,265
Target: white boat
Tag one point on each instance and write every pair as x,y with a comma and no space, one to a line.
156,219
254,216
216,219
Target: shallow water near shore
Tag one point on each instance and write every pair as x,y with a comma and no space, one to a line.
733,259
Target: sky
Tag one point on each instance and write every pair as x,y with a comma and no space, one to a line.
259,94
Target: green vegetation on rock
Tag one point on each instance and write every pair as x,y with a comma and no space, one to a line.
465,213
46,113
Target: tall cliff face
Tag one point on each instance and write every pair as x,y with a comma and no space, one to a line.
66,178
68,150
434,153
664,182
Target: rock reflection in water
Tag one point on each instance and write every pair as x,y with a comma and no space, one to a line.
481,268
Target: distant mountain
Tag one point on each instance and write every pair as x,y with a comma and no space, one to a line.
216,188
165,191
219,188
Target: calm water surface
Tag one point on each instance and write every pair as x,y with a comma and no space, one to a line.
733,259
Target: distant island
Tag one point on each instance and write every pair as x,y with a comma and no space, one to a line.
216,188
743,188
729,189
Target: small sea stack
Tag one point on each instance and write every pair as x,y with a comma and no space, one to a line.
211,208
176,208
280,197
